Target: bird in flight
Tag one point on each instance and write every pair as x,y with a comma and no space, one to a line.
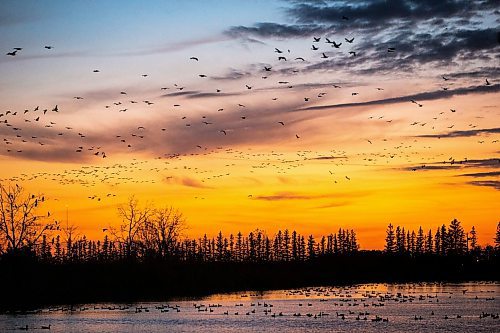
314,48
349,40
13,53
336,45
267,69
281,122
281,58
277,50
316,39
224,132
194,58
48,47
488,82
353,53
324,56
391,49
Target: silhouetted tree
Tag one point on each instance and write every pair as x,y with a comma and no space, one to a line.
20,225
419,243
134,220
456,238
437,242
390,245
310,247
472,239
429,242
497,238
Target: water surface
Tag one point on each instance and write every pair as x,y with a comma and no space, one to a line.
430,307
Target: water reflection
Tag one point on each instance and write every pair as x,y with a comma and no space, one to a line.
423,307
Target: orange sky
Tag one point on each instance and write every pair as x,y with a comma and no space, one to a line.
343,157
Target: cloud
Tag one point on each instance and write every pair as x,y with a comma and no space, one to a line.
276,30
282,196
486,183
424,96
460,134
422,32
493,162
482,174
334,204
187,181
327,158
371,14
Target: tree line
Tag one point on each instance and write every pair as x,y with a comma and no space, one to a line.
147,232
451,240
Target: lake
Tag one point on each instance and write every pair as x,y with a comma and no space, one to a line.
423,307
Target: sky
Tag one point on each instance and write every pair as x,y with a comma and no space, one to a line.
306,115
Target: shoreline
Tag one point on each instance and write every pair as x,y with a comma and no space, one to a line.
35,285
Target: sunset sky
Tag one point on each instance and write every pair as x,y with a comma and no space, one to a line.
186,104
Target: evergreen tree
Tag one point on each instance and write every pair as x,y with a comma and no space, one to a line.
437,242
390,245
310,247
497,238
444,240
286,245
473,239
428,242
456,238
419,243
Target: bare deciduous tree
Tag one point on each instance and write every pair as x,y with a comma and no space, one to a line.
167,224
20,226
134,220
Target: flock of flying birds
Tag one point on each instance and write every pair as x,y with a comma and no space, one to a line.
25,138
